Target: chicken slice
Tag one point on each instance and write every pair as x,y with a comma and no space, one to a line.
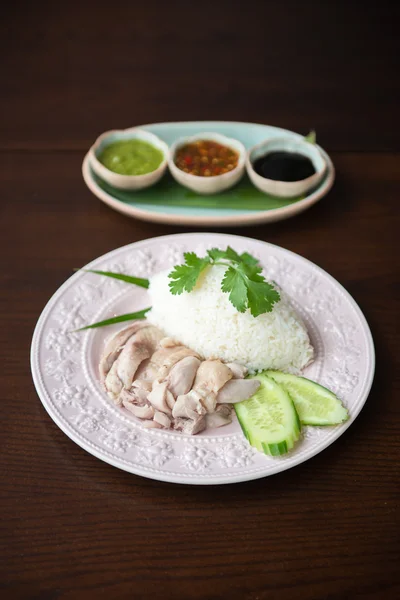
123,370
146,372
161,362
136,395
238,371
169,342
181,376
131,357
164,359
209,401
114,347
190,426
188,406
170,399
113,384
142,412
142,384
211,376
222,416
134,401
161,398
237,390
139,346
162,419
151,424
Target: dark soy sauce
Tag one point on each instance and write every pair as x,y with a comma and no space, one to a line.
284,166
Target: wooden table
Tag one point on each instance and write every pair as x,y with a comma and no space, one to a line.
74,527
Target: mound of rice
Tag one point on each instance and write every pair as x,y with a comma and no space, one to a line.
207,322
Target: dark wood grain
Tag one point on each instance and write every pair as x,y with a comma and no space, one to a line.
73,527
72,73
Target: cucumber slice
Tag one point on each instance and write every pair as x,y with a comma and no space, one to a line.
269,419
315,404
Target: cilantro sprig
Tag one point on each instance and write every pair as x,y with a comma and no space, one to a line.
242,280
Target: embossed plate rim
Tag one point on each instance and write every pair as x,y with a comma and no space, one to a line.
243,473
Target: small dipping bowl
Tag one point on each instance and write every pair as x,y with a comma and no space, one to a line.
128,182
286,189
215,183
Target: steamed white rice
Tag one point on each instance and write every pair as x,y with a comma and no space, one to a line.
207,322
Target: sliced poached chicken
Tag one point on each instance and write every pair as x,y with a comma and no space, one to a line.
167,385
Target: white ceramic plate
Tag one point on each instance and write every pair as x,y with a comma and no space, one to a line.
162,203
64,364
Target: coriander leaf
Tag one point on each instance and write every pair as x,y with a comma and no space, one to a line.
228,254
248,259
184,279
216,253
185,276
234,283
231,254
192,259
251,271
261,297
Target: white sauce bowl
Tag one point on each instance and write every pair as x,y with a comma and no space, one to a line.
128,182
286,189
212,184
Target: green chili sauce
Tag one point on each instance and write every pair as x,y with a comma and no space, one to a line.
131,157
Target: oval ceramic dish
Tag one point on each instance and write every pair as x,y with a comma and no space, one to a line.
65,364
170,203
